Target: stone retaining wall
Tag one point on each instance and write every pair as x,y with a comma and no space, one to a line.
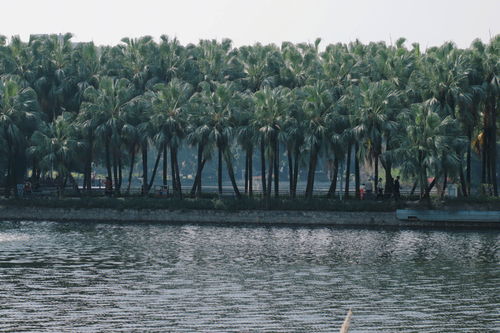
305,218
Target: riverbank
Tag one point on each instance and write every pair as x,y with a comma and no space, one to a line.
241,217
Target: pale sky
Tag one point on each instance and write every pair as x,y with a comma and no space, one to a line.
429,22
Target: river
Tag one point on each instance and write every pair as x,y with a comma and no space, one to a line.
110,277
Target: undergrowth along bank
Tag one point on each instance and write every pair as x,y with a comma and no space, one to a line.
246,203
224,204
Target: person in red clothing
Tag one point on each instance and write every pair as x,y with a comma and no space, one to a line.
108,187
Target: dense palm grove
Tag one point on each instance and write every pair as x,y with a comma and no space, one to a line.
67,108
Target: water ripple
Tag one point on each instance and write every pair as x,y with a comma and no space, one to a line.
86,277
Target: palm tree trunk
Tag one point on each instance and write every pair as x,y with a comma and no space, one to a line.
468,162
196,189
428,189
311,173
120,172
347,170
276,170
493,146
333,184
219,170
445,183
144,150
165,165
423,184
389,181
199,168
89,164
356,171
412,188
172,166
295,171
74,183
9,180
270,173
290,170
263,167
63,182
484,159
421,175
463,184
250,172
132,162
178,175
230,172
387,165
108,159
115,171
246,171
85,174
155,169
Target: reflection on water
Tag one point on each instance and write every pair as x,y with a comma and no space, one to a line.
152,277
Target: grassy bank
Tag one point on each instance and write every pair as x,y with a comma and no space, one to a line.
231,204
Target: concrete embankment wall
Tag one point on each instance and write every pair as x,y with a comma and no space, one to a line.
304,218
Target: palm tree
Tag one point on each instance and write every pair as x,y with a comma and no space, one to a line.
270,108
170,104
86,68
56,147
217,62
219,108
199,136
396,65
18,119
442,79
293,136
247,137
318,103
260,70
372,118
52,66
427,144
486,69
107,107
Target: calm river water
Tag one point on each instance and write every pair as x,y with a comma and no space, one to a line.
84,277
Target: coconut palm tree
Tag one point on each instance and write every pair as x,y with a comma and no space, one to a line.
292,135
318,103
19,117
270,108
52,68
260,69
219,108
396,65
199,136
372,118
442,78
169,115
85,63
107,108
57,148
247,137
486,69
427,145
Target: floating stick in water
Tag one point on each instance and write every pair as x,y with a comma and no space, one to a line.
347,321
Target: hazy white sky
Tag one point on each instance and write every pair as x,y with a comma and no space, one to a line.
429,22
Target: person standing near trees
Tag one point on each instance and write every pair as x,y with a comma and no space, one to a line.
380,189
397,187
